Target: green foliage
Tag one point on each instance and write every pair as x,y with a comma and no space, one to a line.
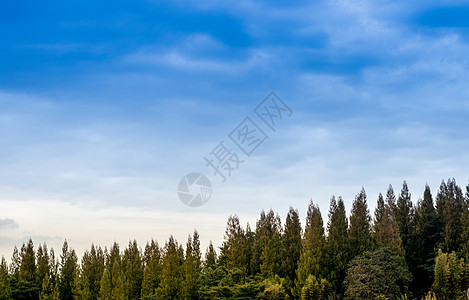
404,215
360,228
312,254
315,289
464,248
172,271
152,270
274,289
425,241
5,291
379,211
290,248
117,282
105,286
92,268
191,266
211,259
451,280
387,232
132,267
233,253
268,234
377,273
336,248
273,262
68,272
451,207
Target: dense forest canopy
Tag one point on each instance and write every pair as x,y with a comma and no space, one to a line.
405,250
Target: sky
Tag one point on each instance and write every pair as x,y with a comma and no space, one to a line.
104,107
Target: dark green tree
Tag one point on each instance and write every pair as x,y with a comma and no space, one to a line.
211,259
68,271
172,271
132,267
336,248
450,205
28,287
118,289
5,292
105,286
92,268
315,289
379,211
427,237
192,267
42,270
387,232
380,274
360,229
113,257
233,254
404,215
312,255
291,248
391,197
464,248
450,280
152,271
268,233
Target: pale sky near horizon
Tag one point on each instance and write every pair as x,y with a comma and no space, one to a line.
104,106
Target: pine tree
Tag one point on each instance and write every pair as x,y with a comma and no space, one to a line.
114,256
359,231
47,289
379,211
249,247
268,233
315,289
152,271
427,238
440,208
92,267
191,266
453,214
28,284
53,269
105,286
42,269
5,292
210,256
291,247
172,272
387,232
403,212
391,197
118,290
68,271
132,267
464,248
233,253
311,258
449,281
14,271
336,248
55,293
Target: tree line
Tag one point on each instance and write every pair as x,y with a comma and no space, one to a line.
403,251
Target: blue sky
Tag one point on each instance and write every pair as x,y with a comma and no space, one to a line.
105,106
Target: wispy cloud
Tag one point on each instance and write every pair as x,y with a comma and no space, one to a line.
8,224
